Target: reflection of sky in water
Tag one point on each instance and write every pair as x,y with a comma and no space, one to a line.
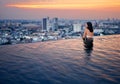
61,62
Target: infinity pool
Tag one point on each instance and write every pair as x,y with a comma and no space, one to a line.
61,62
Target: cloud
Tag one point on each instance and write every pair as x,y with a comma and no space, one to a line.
4,2
60,1
64,4
60,8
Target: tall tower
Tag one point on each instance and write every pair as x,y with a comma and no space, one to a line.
45,24
77,27
55,24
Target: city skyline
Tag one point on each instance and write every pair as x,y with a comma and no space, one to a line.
78,9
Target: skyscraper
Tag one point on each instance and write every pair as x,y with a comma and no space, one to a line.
46,24
55,24
77,27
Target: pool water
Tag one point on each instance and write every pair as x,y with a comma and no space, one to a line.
61,62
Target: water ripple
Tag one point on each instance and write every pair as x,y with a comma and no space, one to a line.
61,62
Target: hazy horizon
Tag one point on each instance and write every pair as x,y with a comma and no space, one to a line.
68,9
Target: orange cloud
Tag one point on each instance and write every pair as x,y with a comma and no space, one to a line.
70,4
54,6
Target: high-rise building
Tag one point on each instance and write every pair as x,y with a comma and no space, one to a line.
46,24
55,24
77,27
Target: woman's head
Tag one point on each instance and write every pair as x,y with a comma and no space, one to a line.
89,26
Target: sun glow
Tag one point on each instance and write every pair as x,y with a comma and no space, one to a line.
55,6
65,4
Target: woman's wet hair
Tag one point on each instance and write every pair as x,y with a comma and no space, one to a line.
90,27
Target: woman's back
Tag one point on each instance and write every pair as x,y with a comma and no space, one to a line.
88,33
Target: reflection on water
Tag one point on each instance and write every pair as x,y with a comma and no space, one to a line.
88,53
61,62
88,48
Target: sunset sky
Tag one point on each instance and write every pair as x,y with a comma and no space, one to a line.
71,9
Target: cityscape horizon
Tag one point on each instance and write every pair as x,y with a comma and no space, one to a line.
45,29
61,18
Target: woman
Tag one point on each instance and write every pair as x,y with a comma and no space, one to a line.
88,36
